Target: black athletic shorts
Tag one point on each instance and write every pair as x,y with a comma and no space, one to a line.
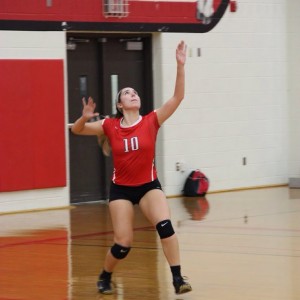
132,193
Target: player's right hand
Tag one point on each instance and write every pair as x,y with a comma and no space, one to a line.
89,107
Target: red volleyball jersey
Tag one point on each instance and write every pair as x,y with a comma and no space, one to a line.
133,149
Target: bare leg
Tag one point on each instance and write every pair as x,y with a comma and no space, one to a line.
155,207
122,216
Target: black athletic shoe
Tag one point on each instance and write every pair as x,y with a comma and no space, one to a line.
104,286
180,285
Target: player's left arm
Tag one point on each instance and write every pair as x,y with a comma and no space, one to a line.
168,108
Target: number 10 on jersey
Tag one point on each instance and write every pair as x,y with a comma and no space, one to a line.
131,144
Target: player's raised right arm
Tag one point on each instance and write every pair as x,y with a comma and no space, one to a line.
82,126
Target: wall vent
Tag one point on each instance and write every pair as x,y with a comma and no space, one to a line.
116,8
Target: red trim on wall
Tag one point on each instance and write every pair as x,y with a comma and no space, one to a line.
92,11
32,125
78,15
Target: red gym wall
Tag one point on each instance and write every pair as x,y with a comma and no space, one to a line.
112,15
92,11
32,126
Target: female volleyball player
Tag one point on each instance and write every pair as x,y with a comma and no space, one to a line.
132,140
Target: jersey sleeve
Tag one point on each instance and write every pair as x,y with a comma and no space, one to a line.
153,118
107,125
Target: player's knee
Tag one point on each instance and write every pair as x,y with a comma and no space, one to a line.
119,251
165,229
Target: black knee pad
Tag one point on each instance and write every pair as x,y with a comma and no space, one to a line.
165,229
119,252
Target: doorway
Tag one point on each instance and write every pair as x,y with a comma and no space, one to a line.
98,66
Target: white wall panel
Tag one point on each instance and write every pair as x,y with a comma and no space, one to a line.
293,46
236,102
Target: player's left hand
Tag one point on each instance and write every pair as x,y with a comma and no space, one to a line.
181,53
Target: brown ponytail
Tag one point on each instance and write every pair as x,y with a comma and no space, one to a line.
104,144
103,140
119,113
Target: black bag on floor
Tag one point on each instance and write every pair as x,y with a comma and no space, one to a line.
196,184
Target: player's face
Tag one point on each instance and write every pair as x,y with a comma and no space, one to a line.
129,99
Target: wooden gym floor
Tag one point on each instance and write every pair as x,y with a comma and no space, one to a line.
234,245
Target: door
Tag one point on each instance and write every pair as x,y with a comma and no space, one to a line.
86,161
99,66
